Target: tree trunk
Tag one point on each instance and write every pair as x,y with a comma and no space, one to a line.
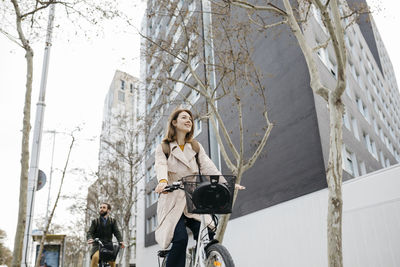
334,180
223,221
26,127
20,231
127,252
37,264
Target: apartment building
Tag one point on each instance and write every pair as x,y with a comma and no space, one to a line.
118,145
293,164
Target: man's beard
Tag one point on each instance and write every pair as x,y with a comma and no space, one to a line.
102,214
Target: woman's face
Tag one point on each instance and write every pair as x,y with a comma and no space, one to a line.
183,122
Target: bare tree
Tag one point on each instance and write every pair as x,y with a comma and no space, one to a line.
336,17
5,253
230,76
48,223
28,28
118,176
75,244
233,70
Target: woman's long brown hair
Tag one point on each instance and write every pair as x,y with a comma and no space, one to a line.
171,129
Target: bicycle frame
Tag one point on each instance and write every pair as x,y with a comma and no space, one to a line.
204,245
202,241
101,262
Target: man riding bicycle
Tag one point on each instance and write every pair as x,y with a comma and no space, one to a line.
103,228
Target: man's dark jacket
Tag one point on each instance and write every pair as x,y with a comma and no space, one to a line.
103,232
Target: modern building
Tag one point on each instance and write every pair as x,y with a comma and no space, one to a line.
116,183
293,164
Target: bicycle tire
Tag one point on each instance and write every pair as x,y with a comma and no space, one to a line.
218,255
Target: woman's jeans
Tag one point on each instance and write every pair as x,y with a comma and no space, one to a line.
177,254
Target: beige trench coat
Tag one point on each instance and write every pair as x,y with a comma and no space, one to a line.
171,206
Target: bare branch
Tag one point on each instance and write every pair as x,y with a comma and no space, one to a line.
315,83
247,5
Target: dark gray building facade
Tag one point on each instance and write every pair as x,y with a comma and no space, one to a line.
294,160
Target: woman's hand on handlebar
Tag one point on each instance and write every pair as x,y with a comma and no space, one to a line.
160,187
239,187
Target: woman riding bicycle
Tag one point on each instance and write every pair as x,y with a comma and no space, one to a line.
171,164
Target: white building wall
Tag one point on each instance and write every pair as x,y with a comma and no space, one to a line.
294,233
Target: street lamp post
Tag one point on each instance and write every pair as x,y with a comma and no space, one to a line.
51,172
210,77
37,139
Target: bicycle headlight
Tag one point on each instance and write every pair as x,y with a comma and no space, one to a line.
211,196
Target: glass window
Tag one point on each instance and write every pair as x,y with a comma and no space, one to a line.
348,90
151,198
382,158
355,128
362,108
346,120
349,162
121,96
363,169
387,162
197,127
375,125
122,85
151,224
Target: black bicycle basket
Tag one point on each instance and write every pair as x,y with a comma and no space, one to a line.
108,252
209,194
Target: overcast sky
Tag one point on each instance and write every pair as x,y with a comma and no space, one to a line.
79,77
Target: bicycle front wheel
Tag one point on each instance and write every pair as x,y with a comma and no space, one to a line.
218,255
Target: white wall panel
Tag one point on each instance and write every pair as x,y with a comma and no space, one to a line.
294,233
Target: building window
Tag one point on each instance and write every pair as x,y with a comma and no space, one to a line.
382,158
363,169
355,128
349,162
151,198
387,163
131,88
151,224
397,155
122,85
375,125
185,74
194,95
197,127
362,108
318,17
348,90
326,59
121,96
370,144
150,174
346,121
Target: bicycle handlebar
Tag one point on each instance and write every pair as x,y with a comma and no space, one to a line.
98,240
174,186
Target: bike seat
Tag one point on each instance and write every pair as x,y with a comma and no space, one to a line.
162,253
